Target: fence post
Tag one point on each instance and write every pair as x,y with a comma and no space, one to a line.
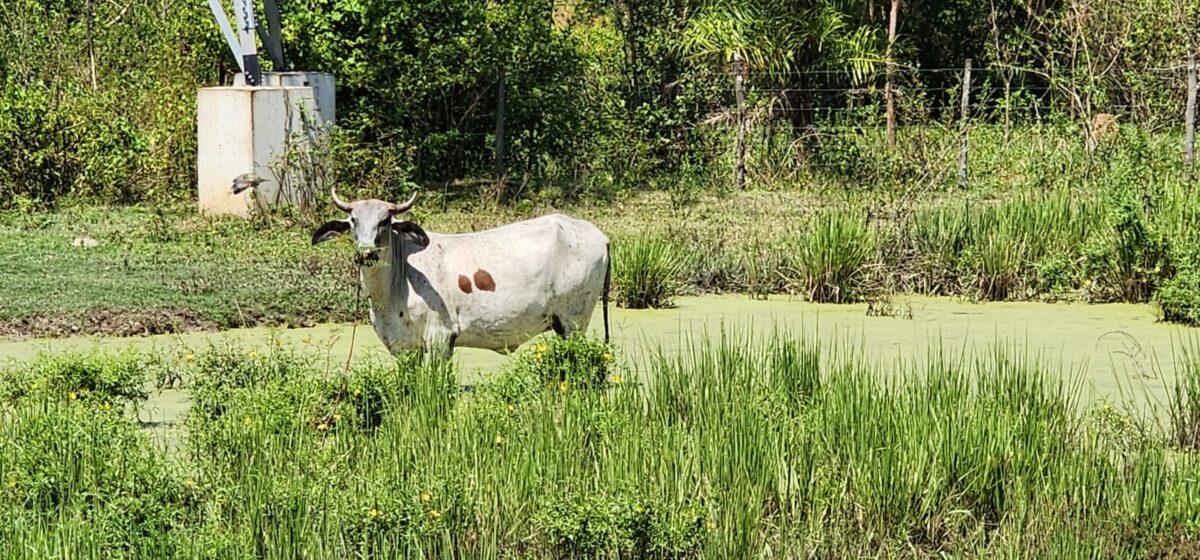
500,93
91,47
1007,103
739,92
887,88
966,108
1189,137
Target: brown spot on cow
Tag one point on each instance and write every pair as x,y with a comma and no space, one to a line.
464,284
484,281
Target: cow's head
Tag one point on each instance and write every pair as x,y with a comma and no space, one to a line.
371,223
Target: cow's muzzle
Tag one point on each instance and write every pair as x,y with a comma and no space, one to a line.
367,257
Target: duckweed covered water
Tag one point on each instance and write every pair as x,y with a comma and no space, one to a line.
1121,350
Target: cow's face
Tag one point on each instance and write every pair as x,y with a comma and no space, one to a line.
370,224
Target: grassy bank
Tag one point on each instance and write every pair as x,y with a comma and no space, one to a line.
731,449
1044,220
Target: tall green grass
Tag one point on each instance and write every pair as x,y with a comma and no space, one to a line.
646,272
831,257
737,448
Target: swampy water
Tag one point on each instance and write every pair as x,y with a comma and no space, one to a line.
1118,352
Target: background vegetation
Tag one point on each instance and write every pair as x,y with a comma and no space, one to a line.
97,97
1075,187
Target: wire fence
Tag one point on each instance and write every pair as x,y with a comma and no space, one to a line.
831,119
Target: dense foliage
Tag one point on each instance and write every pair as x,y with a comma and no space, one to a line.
97,98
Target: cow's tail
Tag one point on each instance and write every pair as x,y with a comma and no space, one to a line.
607,285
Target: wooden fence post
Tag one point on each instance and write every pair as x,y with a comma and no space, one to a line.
888,92
91,47
963,131
1189,137
739,92
500,94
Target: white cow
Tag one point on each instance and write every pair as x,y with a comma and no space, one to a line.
493,289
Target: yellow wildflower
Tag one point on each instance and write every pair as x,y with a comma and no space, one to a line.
71,396
616,379
253,354
511,408
306,340
189,357
607,357
33,386
373,512
246,421
322,427
357,392
190,483
106,406
562,386
712,525
425,497
499,439
435,513
12,483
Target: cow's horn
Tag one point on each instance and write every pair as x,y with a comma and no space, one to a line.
404,206
341,204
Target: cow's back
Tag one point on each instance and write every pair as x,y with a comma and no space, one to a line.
501,285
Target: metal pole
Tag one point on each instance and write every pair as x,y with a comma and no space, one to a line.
218,13
246,31
273,41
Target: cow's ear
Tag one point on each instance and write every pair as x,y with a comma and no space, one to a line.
411,233
330,230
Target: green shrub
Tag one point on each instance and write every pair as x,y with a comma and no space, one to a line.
1178,297
578,361
67,468
218,374
646,272
621,525
832,256
241,396
1126,258
93,378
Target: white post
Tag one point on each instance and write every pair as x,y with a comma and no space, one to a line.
966,107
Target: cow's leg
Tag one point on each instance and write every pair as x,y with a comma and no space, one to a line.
574,316
440,344
560,329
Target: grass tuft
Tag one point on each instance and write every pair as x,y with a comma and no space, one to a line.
646,272
831,258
